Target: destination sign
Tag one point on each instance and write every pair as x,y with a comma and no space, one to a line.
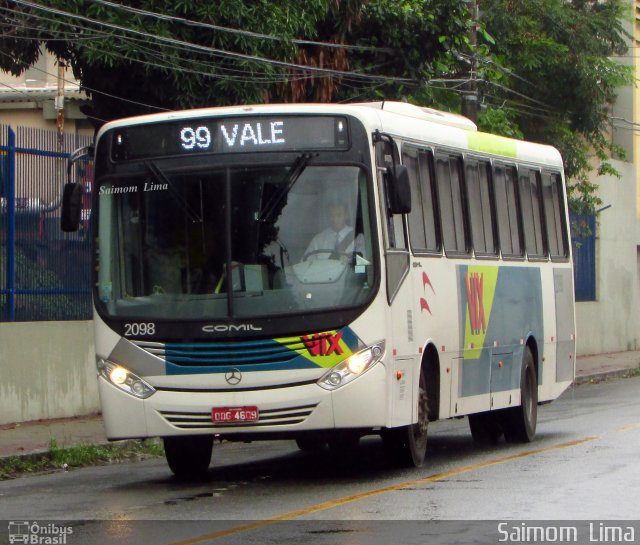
229,135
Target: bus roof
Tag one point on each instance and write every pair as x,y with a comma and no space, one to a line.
399,119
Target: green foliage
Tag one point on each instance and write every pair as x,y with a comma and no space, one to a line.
499,121
32,275
562,78
192,71
78,456
545,69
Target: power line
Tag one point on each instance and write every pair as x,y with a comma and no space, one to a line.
141,46
95,90
236,31
521,95
252,77
31,98
507,71
162,64
213,50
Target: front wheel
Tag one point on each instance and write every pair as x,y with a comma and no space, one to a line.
408,445
188,456
313,445
519,423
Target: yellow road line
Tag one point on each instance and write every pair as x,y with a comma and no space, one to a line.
331,504
628,427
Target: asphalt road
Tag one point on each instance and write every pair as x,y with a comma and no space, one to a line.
583,465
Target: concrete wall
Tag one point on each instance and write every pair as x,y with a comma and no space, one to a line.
47,370
612,322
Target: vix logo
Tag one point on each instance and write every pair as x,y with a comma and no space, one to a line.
474,283
323,344
479,286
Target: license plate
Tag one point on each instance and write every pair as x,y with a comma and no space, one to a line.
231,415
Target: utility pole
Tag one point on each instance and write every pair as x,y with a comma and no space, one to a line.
59,105
470,104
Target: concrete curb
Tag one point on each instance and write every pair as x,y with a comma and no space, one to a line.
596,378
46,454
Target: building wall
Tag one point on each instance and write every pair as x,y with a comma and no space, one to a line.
27,100
47,370
634,52
612,322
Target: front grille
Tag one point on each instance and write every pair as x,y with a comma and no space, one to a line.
272,417
212,354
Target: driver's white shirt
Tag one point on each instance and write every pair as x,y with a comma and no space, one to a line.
326,240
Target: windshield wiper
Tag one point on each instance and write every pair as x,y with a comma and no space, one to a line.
297,168
161,177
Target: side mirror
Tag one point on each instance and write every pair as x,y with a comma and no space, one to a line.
72,194
399,189
71,207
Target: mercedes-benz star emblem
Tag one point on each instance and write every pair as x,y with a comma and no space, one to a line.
233,377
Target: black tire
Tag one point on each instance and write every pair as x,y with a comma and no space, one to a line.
189,456
519,423
407,445
313,445
344,443
486,428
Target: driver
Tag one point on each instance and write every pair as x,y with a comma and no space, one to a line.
336,240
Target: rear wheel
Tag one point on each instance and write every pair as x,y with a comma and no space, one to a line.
189,456
485,428
408,445
519,423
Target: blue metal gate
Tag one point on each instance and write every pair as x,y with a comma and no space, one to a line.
44,273
584,256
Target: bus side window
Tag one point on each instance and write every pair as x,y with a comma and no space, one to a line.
531,203
452,205
505,185
557,231
423,229
481,208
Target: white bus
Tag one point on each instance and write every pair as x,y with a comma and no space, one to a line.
324,272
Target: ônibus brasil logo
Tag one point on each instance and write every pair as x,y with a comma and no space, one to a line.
34,533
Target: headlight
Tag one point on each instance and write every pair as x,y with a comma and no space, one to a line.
124,379
351,368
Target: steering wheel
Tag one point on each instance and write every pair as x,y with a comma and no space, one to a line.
315,252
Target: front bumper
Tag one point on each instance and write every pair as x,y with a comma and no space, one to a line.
360,404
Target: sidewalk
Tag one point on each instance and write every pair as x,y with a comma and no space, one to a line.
31,438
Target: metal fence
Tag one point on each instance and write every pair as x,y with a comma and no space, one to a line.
44,273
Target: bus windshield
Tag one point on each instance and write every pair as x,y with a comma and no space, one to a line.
233,242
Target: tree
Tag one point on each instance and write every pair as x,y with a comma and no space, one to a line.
231,51
550,75
542,67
